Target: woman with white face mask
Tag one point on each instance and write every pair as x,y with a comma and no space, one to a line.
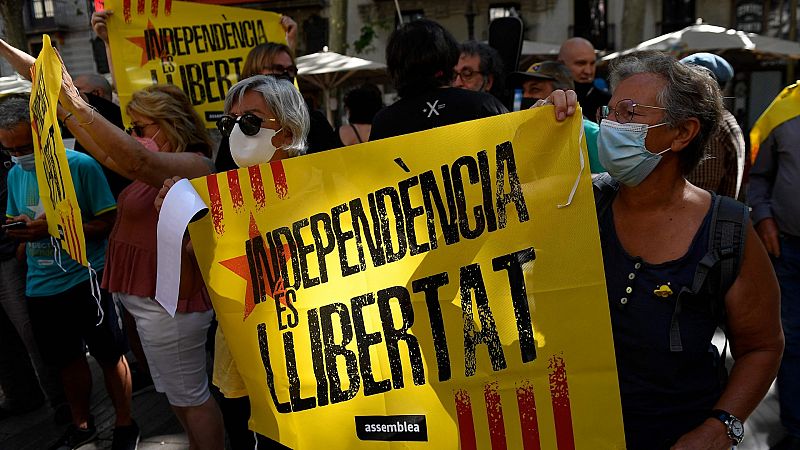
265,120
656,236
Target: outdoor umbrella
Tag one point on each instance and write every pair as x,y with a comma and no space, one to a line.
328,70
710,38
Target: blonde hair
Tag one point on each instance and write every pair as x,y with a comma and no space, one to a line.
262,56
170,108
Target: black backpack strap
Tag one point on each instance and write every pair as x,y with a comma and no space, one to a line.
605,189
725,251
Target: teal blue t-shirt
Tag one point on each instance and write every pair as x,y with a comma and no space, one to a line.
45,277
591,130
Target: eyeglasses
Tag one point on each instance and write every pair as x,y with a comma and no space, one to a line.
138,130
24,149
624,111
277,69
250,124
467,74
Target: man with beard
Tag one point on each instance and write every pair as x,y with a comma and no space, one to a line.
578,55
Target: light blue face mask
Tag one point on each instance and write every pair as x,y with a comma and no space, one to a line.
621,150
27,162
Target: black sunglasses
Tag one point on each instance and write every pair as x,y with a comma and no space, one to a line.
278,69
138,130
250,124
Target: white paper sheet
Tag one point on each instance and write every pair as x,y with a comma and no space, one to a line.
180,205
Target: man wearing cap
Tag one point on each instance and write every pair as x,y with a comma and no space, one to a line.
579,57
479,68
723,165
538,82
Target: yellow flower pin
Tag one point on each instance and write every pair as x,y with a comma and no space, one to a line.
663,291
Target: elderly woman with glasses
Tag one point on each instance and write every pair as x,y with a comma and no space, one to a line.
265,120
669,287
277,60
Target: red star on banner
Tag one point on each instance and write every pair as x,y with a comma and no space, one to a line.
139,41
241,267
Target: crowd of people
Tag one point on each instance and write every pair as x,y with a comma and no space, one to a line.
682,257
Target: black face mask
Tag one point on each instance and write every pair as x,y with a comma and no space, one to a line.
528,102
582,89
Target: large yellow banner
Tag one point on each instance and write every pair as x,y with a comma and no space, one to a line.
52,171
420,291
200,48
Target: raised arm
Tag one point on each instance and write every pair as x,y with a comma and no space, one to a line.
130,158
19,60
100,27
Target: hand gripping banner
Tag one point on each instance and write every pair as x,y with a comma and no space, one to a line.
200,48
420,291
52,171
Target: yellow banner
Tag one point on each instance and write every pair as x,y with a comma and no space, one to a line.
52,171
420,290
200,48
784,107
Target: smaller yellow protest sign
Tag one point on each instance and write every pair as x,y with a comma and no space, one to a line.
199,48
784,107
52,171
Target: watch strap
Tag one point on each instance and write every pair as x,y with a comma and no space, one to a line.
727,419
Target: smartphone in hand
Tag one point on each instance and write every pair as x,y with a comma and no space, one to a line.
14,225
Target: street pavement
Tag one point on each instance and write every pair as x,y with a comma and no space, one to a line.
161,430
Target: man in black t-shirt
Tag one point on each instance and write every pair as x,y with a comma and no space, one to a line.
420,57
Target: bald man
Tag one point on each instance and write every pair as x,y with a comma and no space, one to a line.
93,83
579,57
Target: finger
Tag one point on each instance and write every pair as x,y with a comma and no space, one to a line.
559,100
572,101
540,102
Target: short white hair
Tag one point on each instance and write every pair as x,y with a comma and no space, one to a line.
285,102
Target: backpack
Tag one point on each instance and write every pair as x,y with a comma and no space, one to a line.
720,266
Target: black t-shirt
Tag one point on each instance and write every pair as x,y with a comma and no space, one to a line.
321,135
433,108
591,97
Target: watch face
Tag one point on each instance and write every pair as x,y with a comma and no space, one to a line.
737,428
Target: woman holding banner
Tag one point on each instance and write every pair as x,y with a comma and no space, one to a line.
679,262
265,120
167,139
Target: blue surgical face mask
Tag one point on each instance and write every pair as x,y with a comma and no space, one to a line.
27,162
621,150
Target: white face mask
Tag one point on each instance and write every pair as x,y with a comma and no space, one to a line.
252,150
27,162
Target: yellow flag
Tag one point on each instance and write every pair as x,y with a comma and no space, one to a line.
52,171
199,48
784,107
426,289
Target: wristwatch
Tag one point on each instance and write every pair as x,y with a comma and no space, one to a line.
735,426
